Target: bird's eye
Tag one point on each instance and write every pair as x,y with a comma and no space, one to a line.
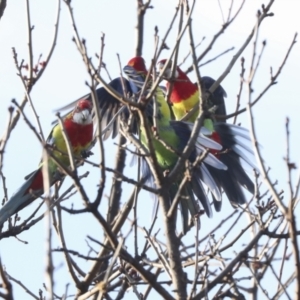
77,109
160,66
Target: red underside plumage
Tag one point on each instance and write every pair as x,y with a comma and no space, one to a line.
216,137
37,183
79,135
182,88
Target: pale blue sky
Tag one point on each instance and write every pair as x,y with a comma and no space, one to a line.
63,81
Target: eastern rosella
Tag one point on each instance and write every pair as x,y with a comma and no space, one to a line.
109,106
177,134
184,96
173,133
78,126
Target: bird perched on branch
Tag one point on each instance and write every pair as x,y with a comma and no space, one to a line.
78,128
163,133
184,96
221,169
111,109
167,132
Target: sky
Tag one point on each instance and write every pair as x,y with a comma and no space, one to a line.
65,76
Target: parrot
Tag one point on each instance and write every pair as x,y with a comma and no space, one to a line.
177,134
183,97
78,126
112,111
174,133
111,108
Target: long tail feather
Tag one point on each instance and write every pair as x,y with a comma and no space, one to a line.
23,196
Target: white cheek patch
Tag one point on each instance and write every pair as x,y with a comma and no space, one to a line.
168,73
84,117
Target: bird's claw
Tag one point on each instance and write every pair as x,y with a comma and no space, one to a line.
86,154
213,109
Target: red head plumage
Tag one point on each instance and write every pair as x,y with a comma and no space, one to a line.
138,63
84,104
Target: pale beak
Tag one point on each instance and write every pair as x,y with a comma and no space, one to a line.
85,114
